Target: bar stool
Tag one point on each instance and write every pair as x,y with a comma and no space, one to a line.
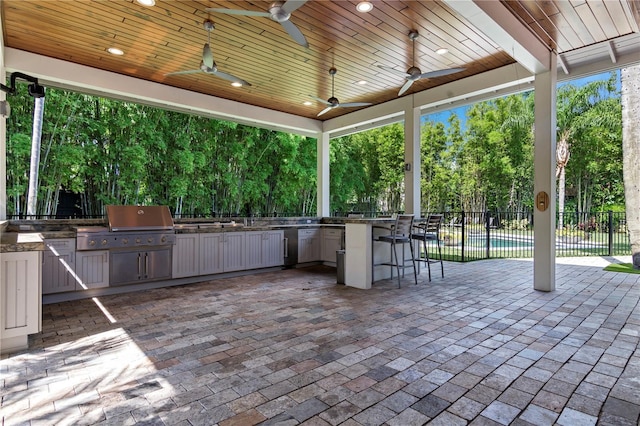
427,232
400,233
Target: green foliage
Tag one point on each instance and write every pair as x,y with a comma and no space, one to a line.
113,152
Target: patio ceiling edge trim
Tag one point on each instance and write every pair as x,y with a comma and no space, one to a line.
67,75
498,24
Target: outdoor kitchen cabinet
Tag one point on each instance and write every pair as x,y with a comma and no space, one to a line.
59,265
264,249
186,256
92,268
222,252
309,245
331,243
20,293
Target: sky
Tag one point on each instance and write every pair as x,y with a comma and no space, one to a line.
443,116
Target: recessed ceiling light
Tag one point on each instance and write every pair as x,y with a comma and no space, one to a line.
307,103
364,7
147,3
236,84
442,51
115,51
362,82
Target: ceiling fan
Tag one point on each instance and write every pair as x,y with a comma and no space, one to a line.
208,65
414,73
279,12
333,102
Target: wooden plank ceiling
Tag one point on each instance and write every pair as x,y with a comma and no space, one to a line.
169,37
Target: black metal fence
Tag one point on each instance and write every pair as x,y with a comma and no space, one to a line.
467,236
483,235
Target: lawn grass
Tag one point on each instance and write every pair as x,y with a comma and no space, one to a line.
622,267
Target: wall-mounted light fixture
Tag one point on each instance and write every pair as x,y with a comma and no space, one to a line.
407,167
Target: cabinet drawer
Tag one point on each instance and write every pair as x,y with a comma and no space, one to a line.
62,243
308,232
331,232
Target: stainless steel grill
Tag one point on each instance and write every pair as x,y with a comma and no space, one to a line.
139,240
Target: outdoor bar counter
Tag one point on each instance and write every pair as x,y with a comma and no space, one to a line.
361,250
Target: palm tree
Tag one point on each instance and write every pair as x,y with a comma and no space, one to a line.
630,99
573,106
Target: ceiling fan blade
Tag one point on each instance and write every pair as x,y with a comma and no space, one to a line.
238,12
440,73
230,77
295,33
207,56
327,109
324,101
183,72
292,5
405,87
355,104
393,70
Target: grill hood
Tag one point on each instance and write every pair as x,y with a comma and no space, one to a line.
139,218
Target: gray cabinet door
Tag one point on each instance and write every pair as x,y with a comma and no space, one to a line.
186,256
59,266
254,251
233,251
273,248
308,245
211,253
92,268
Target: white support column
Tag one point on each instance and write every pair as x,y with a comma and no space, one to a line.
3,137
412,161
323,175
544,186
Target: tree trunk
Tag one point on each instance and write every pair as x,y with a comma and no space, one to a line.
630,99
562,158
38,115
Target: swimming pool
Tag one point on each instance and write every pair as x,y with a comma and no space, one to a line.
500,241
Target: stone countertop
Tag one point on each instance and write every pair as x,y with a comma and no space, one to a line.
19,242
23,235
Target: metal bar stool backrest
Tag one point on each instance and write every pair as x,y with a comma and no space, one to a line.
403,226
433,223
429,231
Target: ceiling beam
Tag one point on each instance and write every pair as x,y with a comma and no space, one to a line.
66,75
495,21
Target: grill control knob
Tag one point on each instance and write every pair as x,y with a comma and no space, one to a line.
92,243
138,240
125,241
163,239
150,240
104,242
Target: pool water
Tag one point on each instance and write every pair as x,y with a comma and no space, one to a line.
497,242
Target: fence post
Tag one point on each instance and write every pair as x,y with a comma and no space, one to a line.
464,219
610,251
487,223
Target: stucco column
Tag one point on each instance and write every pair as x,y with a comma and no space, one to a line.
323,175
544,185
412,161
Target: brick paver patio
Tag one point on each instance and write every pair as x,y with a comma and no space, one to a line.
478,347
